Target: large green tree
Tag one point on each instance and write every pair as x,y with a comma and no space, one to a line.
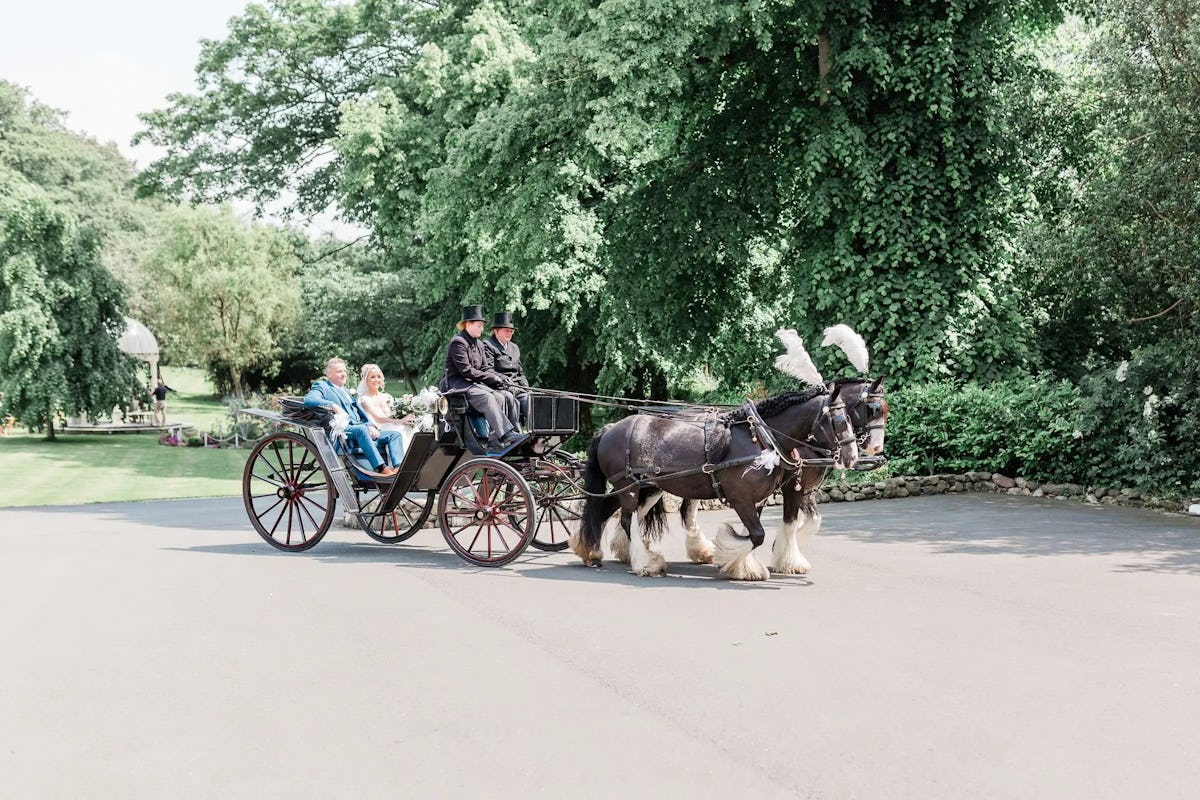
225,291
61,313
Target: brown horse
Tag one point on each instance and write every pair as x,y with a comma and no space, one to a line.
868,410
643,456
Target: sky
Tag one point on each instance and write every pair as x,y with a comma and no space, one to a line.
105,62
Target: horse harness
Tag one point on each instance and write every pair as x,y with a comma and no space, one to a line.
717,439
873,401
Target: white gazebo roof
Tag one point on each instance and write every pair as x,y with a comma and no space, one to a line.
137,340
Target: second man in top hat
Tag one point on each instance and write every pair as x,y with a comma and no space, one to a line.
506,359
469,372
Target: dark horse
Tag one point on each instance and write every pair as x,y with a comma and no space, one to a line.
868,412
643,456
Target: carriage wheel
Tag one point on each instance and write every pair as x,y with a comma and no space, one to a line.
287,492
403,521
558,495
485,510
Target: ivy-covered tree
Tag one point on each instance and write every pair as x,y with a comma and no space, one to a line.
653,187
61,313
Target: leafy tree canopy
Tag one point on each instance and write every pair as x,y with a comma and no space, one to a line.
61,313
1120,258
652,187
225,291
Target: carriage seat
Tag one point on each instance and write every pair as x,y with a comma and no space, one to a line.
460,408
293,408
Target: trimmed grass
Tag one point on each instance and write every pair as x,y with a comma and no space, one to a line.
101,468
193,401
96,468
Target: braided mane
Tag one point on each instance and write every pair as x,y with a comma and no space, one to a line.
777,404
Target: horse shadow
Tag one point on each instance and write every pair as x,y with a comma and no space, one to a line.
533,564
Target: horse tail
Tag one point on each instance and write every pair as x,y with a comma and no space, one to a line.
596,509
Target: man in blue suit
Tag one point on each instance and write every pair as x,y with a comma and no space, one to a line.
330,393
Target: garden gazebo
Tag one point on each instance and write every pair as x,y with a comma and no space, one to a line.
139,342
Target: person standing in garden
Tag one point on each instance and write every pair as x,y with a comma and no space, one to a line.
159,393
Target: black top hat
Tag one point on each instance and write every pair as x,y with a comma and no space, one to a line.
472,313
503,319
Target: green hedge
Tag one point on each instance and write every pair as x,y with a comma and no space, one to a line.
1024,427
1129,424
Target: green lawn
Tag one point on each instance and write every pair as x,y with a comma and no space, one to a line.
193,400
94,468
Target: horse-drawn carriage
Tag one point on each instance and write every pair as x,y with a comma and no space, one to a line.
489,507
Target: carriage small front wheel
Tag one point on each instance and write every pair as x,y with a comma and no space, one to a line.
402,522
486,512
287,491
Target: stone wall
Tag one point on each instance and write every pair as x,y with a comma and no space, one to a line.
838,492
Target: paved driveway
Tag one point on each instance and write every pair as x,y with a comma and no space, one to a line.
943,647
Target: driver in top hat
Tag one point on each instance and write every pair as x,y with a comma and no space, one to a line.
469,372
506,359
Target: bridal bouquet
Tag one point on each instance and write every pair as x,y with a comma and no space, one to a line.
420,405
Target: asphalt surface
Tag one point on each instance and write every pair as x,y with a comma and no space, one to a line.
971,646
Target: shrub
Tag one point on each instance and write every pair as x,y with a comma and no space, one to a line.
195,441
1018,426
1140,420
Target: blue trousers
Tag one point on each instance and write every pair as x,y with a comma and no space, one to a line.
388,439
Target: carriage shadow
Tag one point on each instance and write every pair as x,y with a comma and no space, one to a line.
205,515
1025,526
532,564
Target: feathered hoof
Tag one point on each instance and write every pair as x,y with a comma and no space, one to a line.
735,557
791,562
699,550
655,567
588,555
618,543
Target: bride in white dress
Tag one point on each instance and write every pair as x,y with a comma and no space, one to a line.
378,404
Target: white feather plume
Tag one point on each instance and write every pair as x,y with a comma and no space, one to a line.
795,361
851,343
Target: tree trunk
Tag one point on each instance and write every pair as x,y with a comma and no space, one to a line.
50,425
823,64
235,377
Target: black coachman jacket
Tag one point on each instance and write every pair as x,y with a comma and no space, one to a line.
468,363
507,360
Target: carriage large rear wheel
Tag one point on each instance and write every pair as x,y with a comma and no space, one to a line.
287,491
485,511
402,522
558,496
